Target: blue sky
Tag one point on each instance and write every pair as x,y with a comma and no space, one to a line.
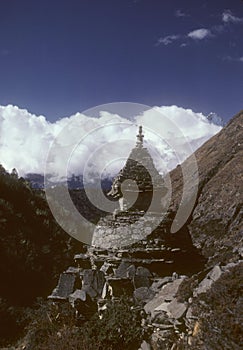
60,57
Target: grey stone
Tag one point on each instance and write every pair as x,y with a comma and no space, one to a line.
142,271
203,287
78,294
145,346
121,271
131,270
73,270
141,281
162,326
189,313
106,268
176,310
158,284
167,293
93,282
230,265
162,307
143,294
215,273
65,286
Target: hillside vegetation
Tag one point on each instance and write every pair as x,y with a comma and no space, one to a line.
33,249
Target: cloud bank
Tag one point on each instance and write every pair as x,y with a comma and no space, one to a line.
25,138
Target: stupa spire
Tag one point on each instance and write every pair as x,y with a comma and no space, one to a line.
140,137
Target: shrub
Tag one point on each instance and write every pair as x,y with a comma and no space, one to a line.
55,327
219,312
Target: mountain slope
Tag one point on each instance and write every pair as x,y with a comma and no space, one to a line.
216,223
33,251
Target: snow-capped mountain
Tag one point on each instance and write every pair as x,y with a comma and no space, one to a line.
215,119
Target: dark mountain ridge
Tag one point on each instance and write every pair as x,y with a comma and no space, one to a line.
216,222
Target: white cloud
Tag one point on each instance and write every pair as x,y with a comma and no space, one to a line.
167,39
228,17
199,34
25,138
179,13
233,59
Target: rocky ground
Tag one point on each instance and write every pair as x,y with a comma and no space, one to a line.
216,222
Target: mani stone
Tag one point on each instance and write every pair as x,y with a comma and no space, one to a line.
93,282
176,310
64,288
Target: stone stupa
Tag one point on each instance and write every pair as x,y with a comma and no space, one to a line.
139,188
139,179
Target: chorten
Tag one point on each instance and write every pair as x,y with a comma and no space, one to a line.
138,185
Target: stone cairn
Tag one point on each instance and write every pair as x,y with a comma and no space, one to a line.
149,267
139,189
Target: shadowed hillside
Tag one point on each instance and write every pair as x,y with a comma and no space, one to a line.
216,223
33,248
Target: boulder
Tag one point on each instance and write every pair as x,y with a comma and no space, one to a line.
141,281
165,295
143,271
143,294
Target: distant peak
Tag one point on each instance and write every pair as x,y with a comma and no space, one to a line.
214,118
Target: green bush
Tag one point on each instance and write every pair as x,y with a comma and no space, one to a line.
55,327
220,311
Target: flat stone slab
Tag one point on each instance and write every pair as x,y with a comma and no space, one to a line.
166,294
215,273
78,294
158,284
162,307
176,310
203,287
144,346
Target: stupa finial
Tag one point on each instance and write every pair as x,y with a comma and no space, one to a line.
140,137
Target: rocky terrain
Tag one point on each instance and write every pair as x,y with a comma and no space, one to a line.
216,222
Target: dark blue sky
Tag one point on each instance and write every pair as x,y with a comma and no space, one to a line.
58,57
